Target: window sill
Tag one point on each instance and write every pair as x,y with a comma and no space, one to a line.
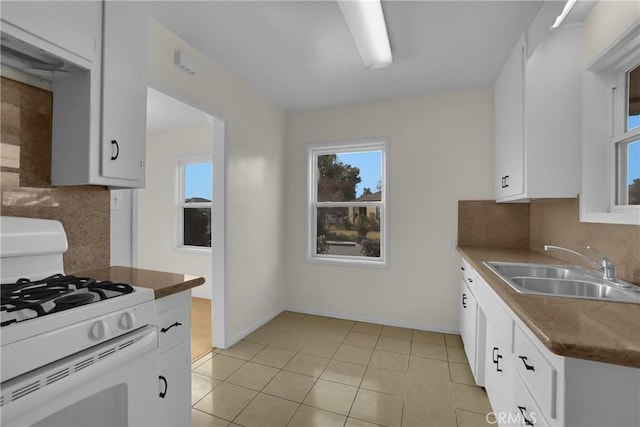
622,216
193,250
348,262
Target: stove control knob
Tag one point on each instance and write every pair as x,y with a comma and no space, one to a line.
99,330
127,321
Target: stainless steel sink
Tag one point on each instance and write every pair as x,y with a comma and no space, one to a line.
535,270
563,281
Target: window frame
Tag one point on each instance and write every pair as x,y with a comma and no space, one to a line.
603,124
620,135
180,164
338,147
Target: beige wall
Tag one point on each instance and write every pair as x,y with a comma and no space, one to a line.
606,22
440,151
157,248
254,144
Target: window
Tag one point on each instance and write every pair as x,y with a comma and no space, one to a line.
626,137
347,202
628,143
194,202
611,133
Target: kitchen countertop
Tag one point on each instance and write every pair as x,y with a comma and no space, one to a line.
162,283
601,331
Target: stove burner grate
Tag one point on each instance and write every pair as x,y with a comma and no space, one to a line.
26,299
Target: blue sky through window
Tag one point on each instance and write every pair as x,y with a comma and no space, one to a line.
633,159
370,165
633,155
198,181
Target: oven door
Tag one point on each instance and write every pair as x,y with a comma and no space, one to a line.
112,384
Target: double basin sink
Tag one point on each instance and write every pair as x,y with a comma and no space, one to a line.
563,281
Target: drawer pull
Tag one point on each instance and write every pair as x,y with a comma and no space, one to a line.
464,300
498,368
522,410
494,355
470,280
462,268
166,386
164,330
524,360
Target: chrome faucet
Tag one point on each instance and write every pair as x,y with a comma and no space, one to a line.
607,266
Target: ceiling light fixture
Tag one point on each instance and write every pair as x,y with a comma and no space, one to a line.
565,11
368,29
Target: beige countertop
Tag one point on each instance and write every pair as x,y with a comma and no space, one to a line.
585,329
162,283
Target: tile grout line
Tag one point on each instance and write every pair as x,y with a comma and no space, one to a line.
359,387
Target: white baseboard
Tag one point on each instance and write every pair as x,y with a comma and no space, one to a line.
379,321
239,336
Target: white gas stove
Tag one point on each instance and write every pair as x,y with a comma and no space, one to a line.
62,333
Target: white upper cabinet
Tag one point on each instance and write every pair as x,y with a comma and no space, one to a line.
509,125
70,25
100,105
124,92
538,116
99,119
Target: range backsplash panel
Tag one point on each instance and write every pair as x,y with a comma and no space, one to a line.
25,178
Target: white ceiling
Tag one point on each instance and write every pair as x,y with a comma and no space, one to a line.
300,54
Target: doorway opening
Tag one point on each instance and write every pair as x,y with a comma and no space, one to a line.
178,220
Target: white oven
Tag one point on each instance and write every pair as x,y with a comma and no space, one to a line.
92,364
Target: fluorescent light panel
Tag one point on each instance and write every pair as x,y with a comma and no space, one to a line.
369,31
567,8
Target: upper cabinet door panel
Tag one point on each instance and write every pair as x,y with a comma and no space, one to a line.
124,91
71,25
509,125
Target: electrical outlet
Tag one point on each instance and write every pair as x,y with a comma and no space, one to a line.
115,201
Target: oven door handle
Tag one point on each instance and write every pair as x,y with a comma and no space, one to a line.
74,370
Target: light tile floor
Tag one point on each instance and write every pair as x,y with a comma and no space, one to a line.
304,371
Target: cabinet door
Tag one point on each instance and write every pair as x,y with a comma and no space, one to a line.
174,387
468,320
124,91
71,25
509,125
498,376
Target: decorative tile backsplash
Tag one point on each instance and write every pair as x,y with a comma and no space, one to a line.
485,223
556,222
25,178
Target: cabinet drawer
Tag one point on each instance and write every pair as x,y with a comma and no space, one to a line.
469,275
527,413
536,372
173,325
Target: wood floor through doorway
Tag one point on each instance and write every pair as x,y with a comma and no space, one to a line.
200,327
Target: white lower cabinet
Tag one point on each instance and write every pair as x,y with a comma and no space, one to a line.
528,385
174,382
174,360
525,408
498,366
470,326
